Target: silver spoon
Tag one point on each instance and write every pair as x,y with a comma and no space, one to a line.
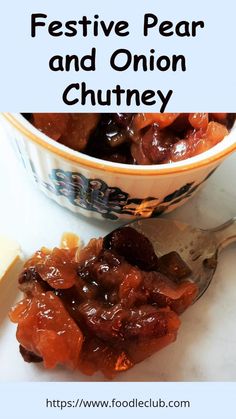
198,248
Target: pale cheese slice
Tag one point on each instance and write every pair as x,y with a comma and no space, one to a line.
9,255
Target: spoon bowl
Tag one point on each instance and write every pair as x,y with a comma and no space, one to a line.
197,247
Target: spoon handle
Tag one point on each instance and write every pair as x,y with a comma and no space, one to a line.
225,234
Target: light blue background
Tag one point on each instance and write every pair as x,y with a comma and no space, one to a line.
28,400
26,83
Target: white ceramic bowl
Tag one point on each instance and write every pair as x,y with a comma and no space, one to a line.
101,189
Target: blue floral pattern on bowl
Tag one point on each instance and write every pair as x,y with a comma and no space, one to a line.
95,195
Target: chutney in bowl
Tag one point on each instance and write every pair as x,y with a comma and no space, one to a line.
111,189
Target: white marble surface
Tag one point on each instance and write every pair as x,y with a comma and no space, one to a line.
206,346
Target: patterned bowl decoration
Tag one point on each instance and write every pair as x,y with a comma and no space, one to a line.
110,202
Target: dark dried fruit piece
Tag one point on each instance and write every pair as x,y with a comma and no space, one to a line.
174,266
133,246
29,356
